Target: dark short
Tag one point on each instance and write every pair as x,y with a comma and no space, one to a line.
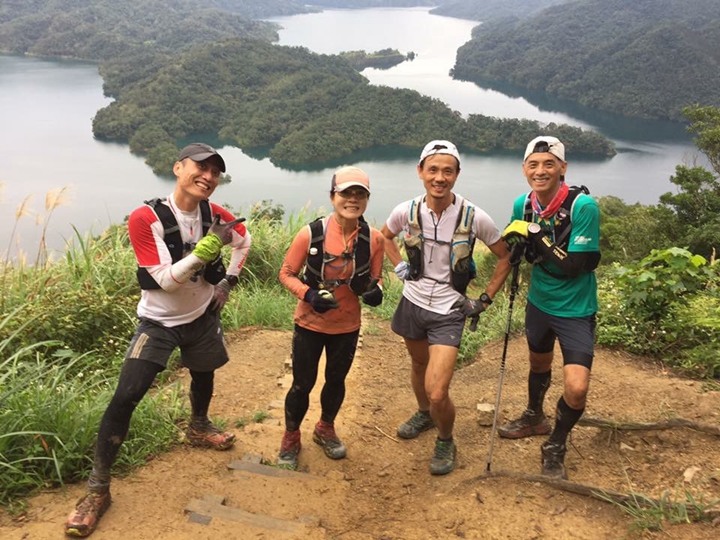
201,343
413,322
575,334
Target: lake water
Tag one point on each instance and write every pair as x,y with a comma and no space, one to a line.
47,108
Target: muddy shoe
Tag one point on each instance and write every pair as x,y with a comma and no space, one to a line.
527,425
444,459
418,422
553,458
85,518
205,434
325,436
289,450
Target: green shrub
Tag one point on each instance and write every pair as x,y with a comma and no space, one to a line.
666,306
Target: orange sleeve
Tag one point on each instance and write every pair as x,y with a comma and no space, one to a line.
294,262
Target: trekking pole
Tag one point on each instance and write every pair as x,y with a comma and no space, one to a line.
515,258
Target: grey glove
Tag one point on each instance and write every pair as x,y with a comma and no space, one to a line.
468,306
221,295
223,230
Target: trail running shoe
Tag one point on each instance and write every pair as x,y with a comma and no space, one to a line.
85,518
553,460
205,434
289,450
444,459
416,424
527,425
324,435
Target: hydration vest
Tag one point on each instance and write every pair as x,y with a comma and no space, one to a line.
313,274
462,265
212,272
561,228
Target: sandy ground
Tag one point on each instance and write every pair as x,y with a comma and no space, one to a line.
382,490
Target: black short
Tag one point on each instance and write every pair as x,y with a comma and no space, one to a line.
576,335
201,342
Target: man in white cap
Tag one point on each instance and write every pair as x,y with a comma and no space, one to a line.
177,242
560,227
439,229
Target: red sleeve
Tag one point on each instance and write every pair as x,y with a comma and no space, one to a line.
142,237
226,217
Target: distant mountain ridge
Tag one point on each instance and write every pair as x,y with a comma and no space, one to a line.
644,58
487,10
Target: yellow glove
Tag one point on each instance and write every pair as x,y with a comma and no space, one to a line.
208,248
516,232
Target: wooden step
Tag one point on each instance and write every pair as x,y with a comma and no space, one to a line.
203,511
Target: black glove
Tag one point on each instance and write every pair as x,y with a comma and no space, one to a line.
373,296
321,302
468,306
223,231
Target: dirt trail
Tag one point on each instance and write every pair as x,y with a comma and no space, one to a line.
383,491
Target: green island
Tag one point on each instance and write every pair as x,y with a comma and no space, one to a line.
643,58
382,59
177,67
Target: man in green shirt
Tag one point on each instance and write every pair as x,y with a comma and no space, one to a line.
560,227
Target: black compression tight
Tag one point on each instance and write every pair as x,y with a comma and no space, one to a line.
135,380
306,351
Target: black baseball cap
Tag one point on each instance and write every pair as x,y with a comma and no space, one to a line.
200,152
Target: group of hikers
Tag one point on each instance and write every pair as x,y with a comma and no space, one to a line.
333,265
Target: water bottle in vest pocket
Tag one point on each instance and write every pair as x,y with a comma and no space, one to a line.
414,251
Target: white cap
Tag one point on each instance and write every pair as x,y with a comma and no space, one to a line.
440,147
546,144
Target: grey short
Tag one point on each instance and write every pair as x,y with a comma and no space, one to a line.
201,342
576,335
413,322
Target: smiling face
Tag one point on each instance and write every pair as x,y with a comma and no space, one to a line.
543,172
439,173
350,204
196,181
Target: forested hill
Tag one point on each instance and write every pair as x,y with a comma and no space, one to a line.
305,107
102,29
644,58
493,9
182,67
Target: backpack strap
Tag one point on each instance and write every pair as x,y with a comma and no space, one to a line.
566,211
414,219
205,216
312,275
171,229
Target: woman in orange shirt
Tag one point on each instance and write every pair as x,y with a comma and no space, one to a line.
340,257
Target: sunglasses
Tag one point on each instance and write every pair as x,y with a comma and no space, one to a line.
357,193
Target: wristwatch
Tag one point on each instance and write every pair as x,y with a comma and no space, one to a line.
485,298
534,228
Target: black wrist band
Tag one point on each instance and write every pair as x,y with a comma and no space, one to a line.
485,298
232,280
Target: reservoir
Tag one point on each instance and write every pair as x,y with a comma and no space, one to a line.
47,108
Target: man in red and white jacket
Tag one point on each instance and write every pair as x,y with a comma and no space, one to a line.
177,243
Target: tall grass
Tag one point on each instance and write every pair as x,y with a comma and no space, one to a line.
64,329
50,408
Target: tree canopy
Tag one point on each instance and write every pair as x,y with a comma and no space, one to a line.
304,107
645,58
